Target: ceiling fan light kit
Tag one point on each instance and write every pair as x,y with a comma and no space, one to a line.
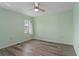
36,10
36,7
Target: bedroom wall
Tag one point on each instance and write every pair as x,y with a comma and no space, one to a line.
12,28
55,27
76,28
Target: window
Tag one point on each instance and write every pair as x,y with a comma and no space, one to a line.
28,26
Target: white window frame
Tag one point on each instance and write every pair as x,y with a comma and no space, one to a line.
28,26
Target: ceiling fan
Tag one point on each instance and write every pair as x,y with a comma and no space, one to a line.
37,8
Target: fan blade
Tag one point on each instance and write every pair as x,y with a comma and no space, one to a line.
42,10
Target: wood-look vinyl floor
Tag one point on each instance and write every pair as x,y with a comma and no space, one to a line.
38,48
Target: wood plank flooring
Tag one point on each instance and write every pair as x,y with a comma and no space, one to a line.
38,48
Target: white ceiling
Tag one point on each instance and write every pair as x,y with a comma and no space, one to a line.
50,7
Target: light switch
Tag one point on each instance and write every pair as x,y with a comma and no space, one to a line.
11,38
78,46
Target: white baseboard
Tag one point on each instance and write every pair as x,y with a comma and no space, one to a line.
13,43
44,39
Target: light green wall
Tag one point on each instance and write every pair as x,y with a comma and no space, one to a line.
12,27
51,27
55,27
76,28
